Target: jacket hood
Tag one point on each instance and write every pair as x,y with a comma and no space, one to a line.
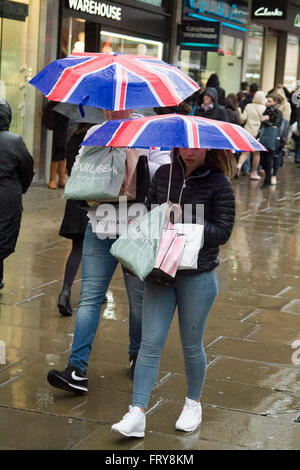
212,92
5,115
213,81
259,97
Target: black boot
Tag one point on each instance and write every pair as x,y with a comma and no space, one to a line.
64,304
1,284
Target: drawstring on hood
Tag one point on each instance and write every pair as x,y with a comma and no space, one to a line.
5,115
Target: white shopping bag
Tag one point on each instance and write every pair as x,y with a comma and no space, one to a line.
193,244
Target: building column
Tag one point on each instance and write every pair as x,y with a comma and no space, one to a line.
281,55
176,20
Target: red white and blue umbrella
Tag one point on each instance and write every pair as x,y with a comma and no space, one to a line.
114,81
173,130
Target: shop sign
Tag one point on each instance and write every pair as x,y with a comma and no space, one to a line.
93,7
13,10
199,35
268,9
220,9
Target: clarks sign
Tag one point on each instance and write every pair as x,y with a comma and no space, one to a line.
268,9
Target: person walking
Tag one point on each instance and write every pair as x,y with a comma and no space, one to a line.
214,82
231,106
16,174
59,124
252,118
73,225
98,267
199,177
210,107
272,117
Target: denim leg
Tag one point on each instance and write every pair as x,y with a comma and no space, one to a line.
276,164
297,152
247,166
195,296
98,267
158,310
135,292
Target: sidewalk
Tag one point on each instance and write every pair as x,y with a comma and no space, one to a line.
251,397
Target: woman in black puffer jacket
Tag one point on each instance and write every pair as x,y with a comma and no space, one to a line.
199,177
16,173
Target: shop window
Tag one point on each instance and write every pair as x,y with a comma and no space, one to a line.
291,63
113,42
157,3
254,54
226,63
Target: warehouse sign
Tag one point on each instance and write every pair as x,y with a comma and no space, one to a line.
199,35
96,8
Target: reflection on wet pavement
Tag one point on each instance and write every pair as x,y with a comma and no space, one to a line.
251,397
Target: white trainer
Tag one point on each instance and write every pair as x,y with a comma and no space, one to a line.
190,417
133,423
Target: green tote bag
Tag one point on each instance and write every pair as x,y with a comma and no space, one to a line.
97,174
136,249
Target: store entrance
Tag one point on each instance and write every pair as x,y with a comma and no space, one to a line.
79,35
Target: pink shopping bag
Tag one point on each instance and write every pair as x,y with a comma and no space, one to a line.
170,250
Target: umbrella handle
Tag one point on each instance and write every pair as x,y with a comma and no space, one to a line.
83,101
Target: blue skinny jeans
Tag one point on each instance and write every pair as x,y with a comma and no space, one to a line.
194,295
98,267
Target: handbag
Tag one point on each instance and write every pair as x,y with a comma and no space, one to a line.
194,239
169,253
268,137
103,174
136,249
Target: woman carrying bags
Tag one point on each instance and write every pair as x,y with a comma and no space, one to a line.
199,177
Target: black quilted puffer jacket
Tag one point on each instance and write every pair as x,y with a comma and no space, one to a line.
206,185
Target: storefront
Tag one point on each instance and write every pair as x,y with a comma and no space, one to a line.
273,44
36,32
139,27
200,58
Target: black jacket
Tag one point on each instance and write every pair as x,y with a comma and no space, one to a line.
217,112
214,82
275,117
208,186
16,173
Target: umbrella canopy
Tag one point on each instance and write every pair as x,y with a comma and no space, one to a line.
174,130
72,111
114,81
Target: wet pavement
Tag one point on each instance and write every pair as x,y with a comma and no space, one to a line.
251,397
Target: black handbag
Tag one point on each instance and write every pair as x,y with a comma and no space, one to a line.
268,137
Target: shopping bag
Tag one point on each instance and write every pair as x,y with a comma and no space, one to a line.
136,249
194,239
168,256
97,174
268,137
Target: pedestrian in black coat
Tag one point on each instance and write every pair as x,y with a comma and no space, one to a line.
231,106
210,107
16,173
73,224
214,82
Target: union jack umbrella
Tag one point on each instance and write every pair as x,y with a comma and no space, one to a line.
173,130
114,81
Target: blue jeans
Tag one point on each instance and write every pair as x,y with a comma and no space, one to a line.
98,267
194,294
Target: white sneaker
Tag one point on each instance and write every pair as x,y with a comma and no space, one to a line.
133,423
190,417
273,179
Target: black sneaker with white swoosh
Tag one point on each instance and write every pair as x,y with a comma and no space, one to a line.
72,379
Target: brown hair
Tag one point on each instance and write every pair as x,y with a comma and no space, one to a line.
220,159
